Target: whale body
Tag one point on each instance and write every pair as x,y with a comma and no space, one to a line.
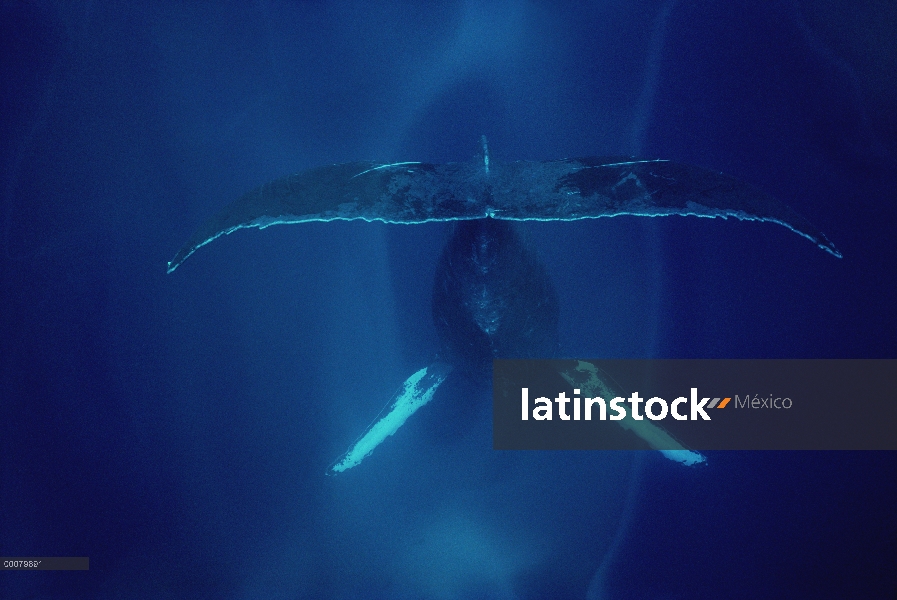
492,298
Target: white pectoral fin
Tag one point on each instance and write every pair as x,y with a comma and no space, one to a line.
592,381
689,458
663,442
414,393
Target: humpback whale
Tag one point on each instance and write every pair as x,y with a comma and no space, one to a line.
491,296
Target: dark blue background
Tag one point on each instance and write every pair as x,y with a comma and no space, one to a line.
176,429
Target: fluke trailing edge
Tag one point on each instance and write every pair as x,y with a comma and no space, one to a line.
559,190
492,298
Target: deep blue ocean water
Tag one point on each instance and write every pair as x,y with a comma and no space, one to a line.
176,428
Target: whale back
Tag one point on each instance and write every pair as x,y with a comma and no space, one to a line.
492,298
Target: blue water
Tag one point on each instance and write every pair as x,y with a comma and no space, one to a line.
176,428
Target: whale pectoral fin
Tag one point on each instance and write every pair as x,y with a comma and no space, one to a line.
658,438
414,393
591,381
